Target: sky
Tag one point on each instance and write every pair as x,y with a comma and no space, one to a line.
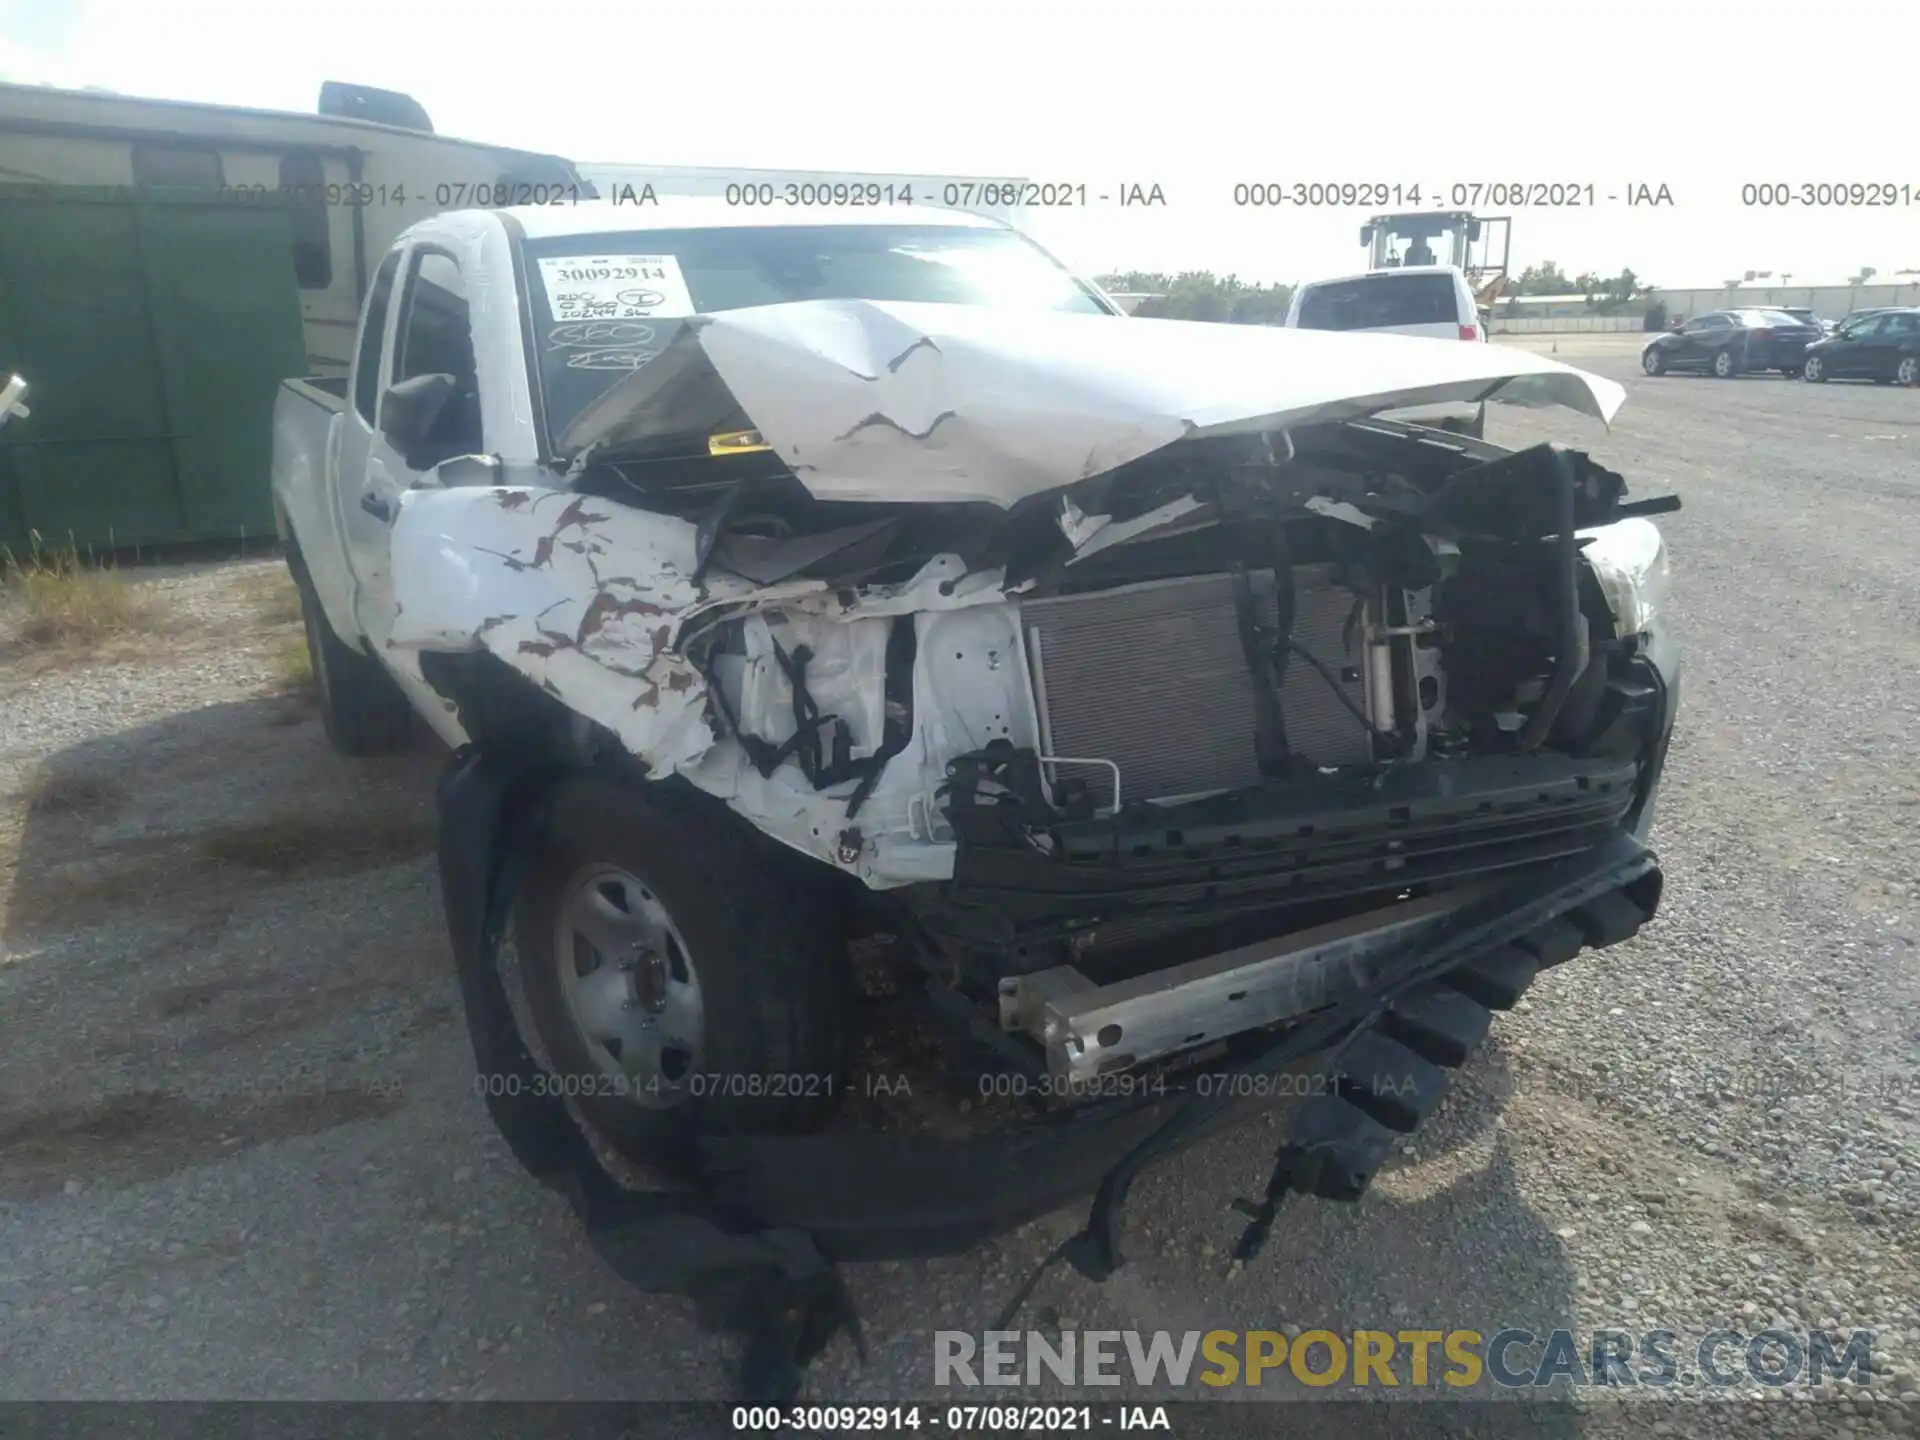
1701,98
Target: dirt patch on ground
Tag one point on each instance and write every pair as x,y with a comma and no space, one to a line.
143,1134
190,873
213,932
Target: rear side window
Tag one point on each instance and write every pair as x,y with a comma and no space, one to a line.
366,365
1380,301
1903,324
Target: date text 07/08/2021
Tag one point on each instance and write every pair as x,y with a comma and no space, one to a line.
953,1419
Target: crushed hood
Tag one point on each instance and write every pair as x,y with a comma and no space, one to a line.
875,401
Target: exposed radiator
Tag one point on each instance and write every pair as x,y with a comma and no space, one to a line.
1152,677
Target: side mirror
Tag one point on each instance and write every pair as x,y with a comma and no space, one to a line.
1677,326
410,410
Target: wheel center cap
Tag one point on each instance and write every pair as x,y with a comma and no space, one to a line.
647,980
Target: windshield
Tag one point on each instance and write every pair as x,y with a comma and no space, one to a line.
1380,301
604,305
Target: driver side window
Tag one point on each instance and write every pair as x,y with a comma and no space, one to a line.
436,338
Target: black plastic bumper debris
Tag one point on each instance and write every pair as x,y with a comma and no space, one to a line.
1388,1078
1439,1023
753,1235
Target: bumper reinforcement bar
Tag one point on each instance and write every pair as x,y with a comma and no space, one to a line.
1088,1031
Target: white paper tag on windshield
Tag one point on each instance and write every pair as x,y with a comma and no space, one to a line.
615,287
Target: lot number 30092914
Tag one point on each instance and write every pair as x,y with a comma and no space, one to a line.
586,274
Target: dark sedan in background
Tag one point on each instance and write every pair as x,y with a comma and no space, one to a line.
1732,342
1884,346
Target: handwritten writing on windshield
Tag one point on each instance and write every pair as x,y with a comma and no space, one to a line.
599,334
604,344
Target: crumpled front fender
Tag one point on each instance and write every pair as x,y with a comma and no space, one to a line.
582,595
591,600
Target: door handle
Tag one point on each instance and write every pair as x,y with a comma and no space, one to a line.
378,506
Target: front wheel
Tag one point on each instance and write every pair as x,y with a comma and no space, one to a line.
1725,367
363,711
1907,372
1814,369
684,980
1654,362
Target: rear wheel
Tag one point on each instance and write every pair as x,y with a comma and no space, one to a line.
1725,367
1814,369
362,709
1907,372
683,979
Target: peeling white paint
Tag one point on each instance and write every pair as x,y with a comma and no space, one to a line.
590,599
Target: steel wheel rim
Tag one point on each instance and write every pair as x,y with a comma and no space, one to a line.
631,988
1907,372
1723,364
1651,362
1812,368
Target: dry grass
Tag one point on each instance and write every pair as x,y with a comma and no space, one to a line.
276,605
63,601
292,666
275,597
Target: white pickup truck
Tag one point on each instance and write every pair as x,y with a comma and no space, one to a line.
1155,707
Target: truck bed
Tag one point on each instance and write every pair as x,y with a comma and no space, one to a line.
304,414
326,391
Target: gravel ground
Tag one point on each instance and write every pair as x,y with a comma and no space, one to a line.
240,1153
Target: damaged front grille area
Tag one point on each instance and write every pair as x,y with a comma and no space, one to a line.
1025,875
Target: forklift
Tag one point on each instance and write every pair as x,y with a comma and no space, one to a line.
1477,246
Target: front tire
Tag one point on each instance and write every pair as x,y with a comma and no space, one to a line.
1814,369
1654,362
363,711
1725,367
685,981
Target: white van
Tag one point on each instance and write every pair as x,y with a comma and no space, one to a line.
1427,300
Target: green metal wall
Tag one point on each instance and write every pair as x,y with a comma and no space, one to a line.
153,328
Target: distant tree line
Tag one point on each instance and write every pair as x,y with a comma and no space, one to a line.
1202,295
1605,293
